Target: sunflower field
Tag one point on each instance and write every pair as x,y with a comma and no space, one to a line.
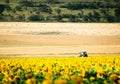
69,70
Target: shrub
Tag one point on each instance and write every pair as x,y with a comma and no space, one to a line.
36,18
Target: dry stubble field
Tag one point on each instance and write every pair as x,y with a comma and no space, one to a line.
58,39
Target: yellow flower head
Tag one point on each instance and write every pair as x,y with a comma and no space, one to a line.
113,77
31,81
118,81
28,76
92,78
78,80
60,81
5,81
48,81
99,75
48,75
17,78
12,82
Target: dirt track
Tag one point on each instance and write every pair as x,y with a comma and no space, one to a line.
59,39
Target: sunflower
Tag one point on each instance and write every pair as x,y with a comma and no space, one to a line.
60,81
30,81
47,81
92,78
114,78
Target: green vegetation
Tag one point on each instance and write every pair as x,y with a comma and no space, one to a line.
60,10
55,70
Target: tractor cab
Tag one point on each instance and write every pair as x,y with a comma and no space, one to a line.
83,54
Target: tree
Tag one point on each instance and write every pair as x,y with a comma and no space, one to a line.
59,18
117,0
3,7
52,1
80,15
103,11
7,1
96,16
8,18
73,18
85,18
13,11
45,8
36,18
117,14
50,18
110,18
90,17
1,18
58,11
18,8
25,3
19,18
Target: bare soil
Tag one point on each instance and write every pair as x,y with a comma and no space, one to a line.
58,39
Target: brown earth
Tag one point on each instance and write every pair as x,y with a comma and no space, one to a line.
59,39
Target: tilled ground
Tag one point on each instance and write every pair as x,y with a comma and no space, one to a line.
59,39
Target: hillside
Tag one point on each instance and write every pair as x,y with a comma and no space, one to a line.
60,10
